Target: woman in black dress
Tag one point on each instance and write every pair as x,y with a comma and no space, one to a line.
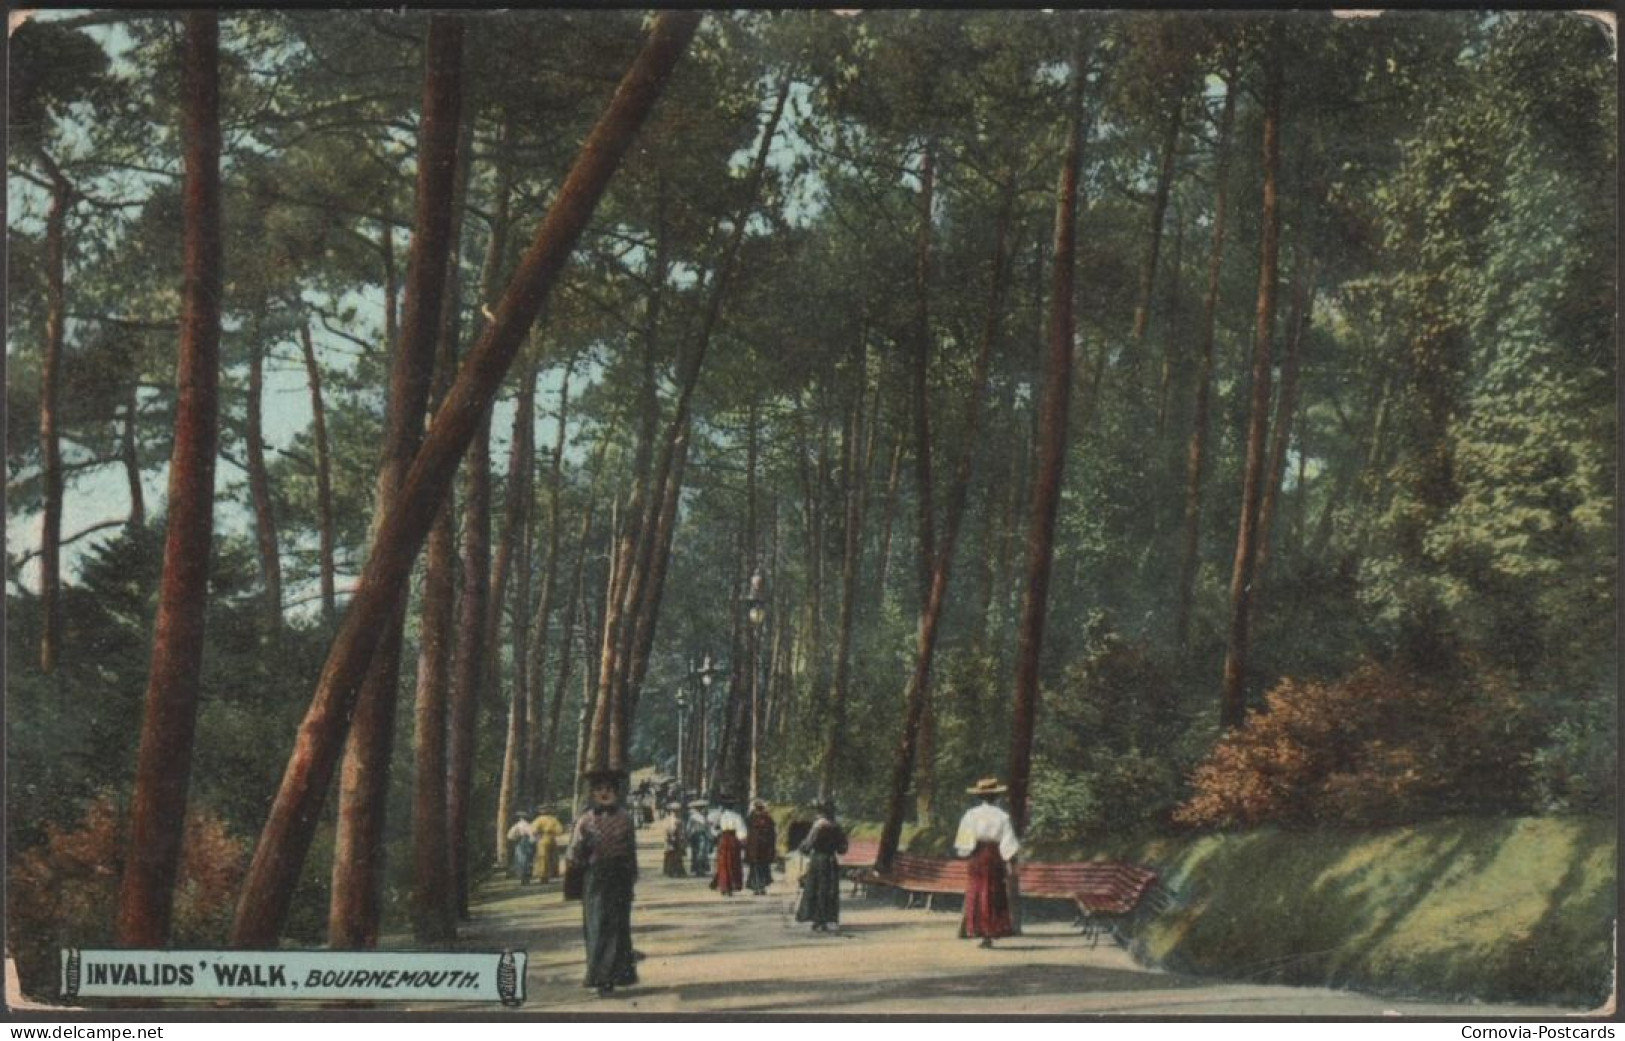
821,885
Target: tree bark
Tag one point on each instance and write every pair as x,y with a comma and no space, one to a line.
356,905
391,292
259,485
324,478
268,889
1233,699
921,378
1196,456
468,672
56,315
1051,452
164,763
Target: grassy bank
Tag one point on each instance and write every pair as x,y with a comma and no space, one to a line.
1493,910
1498,910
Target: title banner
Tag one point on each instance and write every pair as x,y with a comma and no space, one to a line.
296,975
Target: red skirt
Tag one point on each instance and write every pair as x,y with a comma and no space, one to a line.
730,875
987,899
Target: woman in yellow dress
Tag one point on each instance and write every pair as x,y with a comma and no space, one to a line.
548,829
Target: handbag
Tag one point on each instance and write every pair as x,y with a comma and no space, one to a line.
575,880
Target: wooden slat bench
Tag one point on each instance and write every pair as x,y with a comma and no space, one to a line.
916,876
1105,893
858,859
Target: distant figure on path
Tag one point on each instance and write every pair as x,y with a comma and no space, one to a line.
820,901
603,843
675,833
523,839
549,829
989,839
699,839
730,830
761,847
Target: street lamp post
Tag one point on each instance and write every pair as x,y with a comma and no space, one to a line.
706,673
682,716
756,601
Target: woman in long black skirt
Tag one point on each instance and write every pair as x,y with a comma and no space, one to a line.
603,845
821,885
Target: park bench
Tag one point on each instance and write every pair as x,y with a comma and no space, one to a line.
858,860
1105,894
916,877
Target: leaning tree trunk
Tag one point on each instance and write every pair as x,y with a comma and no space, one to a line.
356,904
915,735
324,479
56,221
1051,451
1233,698
1196,457
164,763
268,889
259,485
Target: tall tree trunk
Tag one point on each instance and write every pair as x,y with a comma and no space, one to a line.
468,674
356,905
915,737
324,478
921,377
515,522
1196,457
573,619
851,561
1153,246
132,457
434,909
56,315
636,589
537,750
259,485
391,292
888,515
164,763
1171,339
285,841
1051,452
1233,699
1286,406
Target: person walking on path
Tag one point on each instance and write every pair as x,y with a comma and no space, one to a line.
820,901
548,830
761,847
730,830
699,839
988,838
523,840
672,829
603,845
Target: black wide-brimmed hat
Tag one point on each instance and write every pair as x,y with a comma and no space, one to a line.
607,776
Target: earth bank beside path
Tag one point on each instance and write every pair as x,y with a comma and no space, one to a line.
703,953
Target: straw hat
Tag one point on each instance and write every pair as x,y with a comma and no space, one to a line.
987,786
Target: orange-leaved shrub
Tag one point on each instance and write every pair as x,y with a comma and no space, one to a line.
63,892
1379,746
